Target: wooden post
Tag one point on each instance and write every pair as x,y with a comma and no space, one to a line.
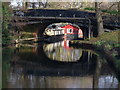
89,29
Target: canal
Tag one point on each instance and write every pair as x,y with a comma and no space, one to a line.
55,65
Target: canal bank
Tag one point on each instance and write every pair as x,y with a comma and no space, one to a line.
108,47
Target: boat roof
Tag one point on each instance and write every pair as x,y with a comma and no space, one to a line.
62,25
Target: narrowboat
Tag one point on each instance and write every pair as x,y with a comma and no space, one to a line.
63,31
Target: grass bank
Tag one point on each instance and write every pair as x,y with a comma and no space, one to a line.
111,12
109,43
108,39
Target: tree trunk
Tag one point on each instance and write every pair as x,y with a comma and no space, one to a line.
26,5
33,5
119,11
45,5
39,4
119,7
100,29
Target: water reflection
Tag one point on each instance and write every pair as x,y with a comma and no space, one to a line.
30,81
52,82
43,66
61,51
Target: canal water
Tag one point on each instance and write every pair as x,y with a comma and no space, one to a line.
55,65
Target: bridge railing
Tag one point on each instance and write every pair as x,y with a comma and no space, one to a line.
54,13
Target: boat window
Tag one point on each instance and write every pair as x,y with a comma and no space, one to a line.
69,30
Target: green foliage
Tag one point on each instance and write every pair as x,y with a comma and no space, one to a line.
6,57
108,41
118,64
109,37
112,12
103,10
26,35
89,8
6,53
5,23
101,42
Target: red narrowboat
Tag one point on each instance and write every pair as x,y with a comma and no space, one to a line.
65,30
72,32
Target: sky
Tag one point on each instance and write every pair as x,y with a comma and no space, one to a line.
15,4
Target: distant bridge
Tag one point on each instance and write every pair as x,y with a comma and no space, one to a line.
86,20
54,13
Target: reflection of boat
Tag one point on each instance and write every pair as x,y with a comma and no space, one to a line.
65,30
61,51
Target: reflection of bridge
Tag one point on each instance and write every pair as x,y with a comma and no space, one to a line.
45,17
80,69
40,64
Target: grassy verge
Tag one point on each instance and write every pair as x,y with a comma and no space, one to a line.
108,39
112,12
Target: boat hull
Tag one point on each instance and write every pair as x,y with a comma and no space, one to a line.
71,36
54,38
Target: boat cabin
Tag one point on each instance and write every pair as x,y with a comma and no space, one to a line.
69,31
72,31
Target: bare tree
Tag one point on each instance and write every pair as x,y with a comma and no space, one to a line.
100,29
119,11
26,5
43,3
33,5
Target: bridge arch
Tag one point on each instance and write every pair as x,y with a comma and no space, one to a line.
45,23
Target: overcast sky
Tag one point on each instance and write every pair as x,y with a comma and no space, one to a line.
14,2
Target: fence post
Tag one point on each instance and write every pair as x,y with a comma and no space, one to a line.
89,28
